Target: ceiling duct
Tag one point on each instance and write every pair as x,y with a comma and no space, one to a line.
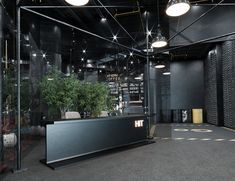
133,12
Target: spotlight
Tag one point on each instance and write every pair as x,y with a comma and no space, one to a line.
43,55
83,51
131,53
34,54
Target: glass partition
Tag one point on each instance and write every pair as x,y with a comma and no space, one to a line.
8,89
67,68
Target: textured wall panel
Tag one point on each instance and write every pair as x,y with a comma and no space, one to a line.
211,108
228,58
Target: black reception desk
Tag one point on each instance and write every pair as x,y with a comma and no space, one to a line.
67,139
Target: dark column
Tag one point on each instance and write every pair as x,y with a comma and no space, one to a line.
228,55
214,87
154,94
219,86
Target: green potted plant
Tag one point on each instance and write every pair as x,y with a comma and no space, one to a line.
94,98
60,92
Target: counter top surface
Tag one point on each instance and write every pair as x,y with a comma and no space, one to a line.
64,121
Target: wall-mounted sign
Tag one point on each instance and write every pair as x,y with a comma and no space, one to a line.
139,123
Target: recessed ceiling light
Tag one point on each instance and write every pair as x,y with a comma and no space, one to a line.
114,37
159,66
82,59
166,73
132,62
166,52
77,2
43,55
150,50
83,51
103,20
138,78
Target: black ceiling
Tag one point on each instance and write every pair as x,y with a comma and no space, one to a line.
129,25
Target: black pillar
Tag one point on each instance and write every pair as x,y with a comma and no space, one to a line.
18,91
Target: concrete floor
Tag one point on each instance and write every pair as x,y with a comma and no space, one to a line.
180,153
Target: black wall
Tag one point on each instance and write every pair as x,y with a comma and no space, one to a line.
187,84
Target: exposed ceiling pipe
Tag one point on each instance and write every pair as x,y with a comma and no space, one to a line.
199,1
129,12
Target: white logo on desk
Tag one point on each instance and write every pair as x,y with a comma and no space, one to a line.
139,123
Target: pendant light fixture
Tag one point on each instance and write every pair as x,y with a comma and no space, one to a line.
177,7
77,2
160,40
